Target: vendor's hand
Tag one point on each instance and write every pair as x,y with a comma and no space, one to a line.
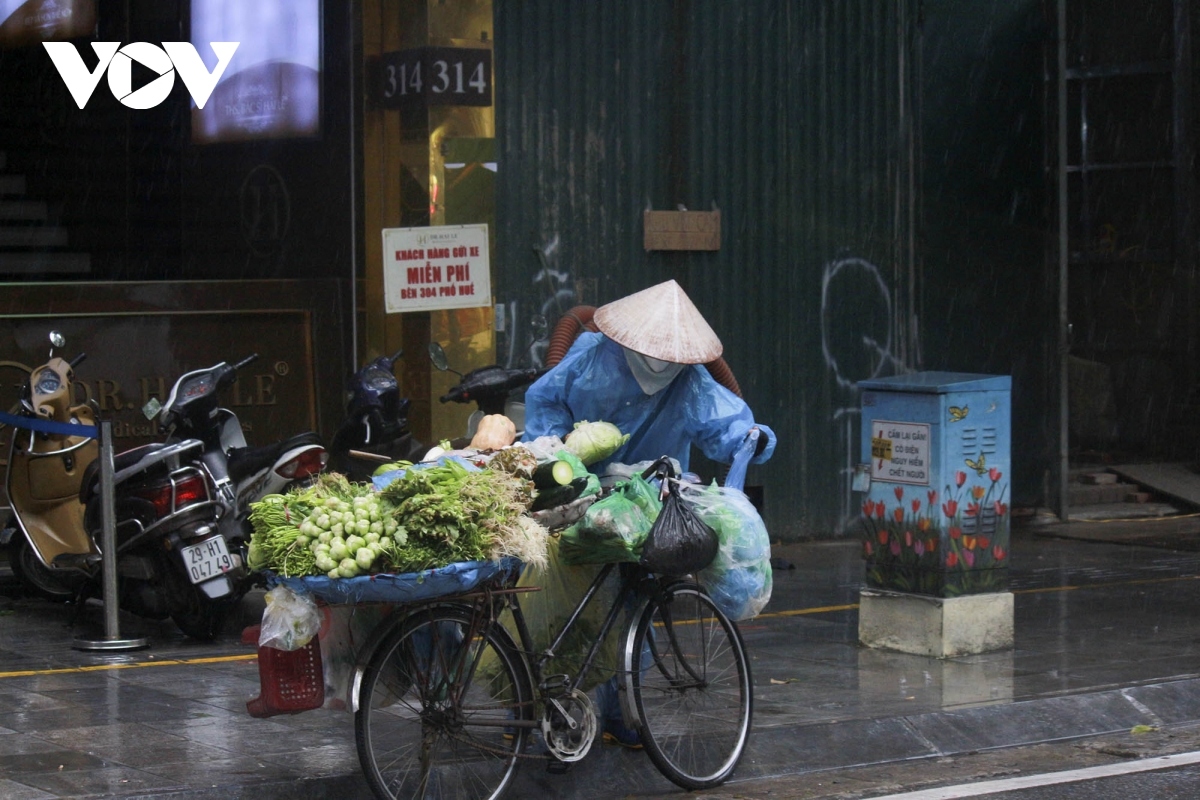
761,444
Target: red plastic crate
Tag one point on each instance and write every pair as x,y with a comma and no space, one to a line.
291,681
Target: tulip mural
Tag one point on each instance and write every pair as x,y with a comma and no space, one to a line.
943,543
935,512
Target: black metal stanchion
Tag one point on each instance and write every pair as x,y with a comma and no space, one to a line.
108,546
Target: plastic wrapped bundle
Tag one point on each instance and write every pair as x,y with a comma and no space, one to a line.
739,579
614,529
547,611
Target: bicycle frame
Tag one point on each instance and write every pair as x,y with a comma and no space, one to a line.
632,578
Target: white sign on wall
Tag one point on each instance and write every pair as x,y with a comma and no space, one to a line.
433,268
900,452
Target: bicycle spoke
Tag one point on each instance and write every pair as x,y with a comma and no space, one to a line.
691,687
433,705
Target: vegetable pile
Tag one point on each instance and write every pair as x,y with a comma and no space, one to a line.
333,527
453,514
426,518
431,514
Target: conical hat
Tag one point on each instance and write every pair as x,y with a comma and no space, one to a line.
662,323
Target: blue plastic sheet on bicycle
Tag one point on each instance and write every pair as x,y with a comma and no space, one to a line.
381,482
409,587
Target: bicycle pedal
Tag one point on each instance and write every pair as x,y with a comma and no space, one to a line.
555,767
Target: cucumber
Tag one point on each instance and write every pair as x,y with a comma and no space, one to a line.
553,473
559,495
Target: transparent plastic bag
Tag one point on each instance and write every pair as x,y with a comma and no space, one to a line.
547,611
544,447
739,579
290,620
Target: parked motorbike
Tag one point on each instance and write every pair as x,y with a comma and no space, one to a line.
375,429
493,389
171,557
241,474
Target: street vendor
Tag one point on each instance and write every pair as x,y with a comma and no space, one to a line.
644,373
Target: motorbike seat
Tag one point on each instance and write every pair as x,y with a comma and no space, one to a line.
91,474
245,461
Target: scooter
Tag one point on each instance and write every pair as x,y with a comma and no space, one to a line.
493,389
375,429
242,474
171,558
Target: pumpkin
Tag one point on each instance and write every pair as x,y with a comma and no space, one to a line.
494,432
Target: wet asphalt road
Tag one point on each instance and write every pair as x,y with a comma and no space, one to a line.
1107,638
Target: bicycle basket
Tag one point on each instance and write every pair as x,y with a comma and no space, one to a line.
290,681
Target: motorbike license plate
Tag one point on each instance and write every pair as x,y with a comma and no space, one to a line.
206,560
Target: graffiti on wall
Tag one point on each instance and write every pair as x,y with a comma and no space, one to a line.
553,293
857,343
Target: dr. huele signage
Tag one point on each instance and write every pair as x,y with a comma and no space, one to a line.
253,390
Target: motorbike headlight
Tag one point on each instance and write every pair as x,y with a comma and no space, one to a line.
380,380
48,381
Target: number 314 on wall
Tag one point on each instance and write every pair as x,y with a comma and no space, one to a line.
460,76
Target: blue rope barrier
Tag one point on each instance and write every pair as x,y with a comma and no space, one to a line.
46,426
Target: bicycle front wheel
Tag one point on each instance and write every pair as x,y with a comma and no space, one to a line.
435,709
691,688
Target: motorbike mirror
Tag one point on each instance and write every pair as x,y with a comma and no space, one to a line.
438,356
57,339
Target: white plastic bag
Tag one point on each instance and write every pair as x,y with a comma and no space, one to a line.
544,447
290,620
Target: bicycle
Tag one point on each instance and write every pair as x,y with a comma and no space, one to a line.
448,699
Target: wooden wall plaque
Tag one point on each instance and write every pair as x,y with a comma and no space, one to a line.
682,230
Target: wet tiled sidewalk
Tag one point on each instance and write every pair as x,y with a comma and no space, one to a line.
1107,637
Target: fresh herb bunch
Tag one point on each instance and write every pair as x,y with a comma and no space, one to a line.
427,518
453,514
334,526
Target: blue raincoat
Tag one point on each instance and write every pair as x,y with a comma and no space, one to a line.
594,383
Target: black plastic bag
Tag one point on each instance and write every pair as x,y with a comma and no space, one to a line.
679,541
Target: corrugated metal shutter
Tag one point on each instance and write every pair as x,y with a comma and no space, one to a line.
792,119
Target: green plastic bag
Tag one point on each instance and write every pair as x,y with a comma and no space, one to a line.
613,529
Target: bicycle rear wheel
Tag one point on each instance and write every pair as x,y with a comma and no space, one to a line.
691,687
435,708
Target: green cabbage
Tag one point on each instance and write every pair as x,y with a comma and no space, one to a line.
595,441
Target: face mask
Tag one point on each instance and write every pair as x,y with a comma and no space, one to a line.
651,374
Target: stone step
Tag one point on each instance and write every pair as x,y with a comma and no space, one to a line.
44,263
1082,494
32,236
1098,478
23,210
